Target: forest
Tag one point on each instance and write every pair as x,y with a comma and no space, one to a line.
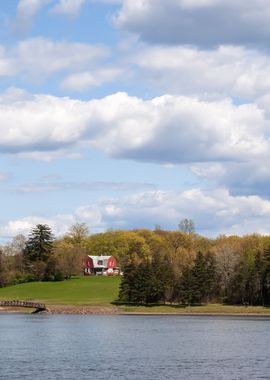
159,266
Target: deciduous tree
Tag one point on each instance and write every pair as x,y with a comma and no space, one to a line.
187,225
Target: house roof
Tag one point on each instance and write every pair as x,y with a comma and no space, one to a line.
97,259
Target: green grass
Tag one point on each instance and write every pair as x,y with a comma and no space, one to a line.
77,291
103,291
204,309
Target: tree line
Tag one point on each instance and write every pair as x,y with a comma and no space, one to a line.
41,257
159,266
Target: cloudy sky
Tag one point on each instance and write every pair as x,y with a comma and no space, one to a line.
128,114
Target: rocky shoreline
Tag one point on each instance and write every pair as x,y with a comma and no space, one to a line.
114,310
67,309
99,310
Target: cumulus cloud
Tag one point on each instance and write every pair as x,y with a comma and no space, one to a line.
166,129
28,9
244,178
214,212
81,81
177,21
52,56
68,7
229,70
225,144
58,223
80,65
264,104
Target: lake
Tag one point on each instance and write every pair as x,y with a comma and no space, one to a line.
133,347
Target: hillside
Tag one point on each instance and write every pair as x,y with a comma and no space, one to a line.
94,295
77,291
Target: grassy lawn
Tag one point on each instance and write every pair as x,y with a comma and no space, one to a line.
77,291
205,309
102,291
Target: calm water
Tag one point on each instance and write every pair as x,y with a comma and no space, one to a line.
133,347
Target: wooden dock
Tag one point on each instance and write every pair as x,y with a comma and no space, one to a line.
24,304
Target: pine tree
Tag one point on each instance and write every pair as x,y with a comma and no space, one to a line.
160,278
127,291
185,292
256,280
211,288
201,275
198,283
247,283
38,246
265,277
2,270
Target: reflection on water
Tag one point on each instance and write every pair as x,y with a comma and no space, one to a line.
133,347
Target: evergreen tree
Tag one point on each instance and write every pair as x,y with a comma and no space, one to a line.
265,277
212,287
257,280
248,282
128,287
2,270
204,273
38,246
161,278
145,282
185,292
198,283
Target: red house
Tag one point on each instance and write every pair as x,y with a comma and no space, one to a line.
101,265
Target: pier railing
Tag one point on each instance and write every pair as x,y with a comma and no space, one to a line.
26,304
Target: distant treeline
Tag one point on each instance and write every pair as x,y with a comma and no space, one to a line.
159,266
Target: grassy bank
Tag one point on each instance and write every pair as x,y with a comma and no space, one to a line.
98,294
77,291
205,309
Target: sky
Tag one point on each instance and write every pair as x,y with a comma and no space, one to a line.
127,114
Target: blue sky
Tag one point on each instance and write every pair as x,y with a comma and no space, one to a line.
124,114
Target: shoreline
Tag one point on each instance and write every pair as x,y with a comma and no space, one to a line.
114,310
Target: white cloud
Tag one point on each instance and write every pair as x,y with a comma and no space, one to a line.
49,155
166,129
249,178
107,1
81,81
197,22
26,11
225,144
81,65
214,212
68,7
58,223
228,70
51,57
7,65
264,104
171,129
60,186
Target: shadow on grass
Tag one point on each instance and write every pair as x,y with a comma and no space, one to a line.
180,306
149,305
